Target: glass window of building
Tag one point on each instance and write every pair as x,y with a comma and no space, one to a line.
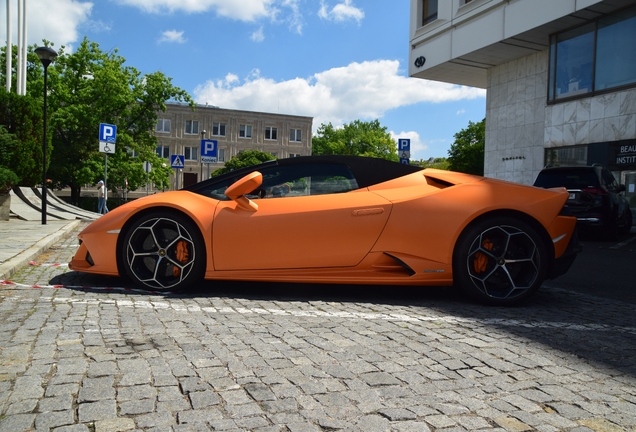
191,153
595,57
163,125
271,133
218,129
295,135
245,131
429,11
163,151
192,127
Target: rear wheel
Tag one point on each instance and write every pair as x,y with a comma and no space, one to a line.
500,261
164,253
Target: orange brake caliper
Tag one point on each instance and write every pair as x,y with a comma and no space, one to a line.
182,256
481,260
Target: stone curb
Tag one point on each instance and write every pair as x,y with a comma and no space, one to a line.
12,265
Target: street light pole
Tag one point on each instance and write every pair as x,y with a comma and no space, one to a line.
201,162
46,56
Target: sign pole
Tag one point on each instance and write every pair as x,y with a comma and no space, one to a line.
105,175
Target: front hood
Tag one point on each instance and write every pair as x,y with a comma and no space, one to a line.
180,200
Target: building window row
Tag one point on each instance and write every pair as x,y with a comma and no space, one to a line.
219,129
597,56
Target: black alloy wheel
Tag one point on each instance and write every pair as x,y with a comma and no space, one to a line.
164,253
500,261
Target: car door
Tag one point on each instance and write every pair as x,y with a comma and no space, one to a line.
308,216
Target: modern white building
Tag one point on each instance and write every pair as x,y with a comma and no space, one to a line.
180,129
560,78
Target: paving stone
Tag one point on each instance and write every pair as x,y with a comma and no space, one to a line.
260,392
93,411
203,399
133,407
58,403
115,425
199,415
17,422
50,420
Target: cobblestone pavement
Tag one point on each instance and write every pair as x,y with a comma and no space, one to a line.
77,354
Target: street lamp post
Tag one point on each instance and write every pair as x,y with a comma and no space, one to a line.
46,56
201,162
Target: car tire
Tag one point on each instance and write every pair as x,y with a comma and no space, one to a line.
164,253
500,261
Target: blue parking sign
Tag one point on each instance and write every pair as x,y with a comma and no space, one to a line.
404,144
107,132
209,151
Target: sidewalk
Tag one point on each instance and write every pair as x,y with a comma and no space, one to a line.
22,241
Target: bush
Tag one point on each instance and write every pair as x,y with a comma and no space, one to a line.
7,180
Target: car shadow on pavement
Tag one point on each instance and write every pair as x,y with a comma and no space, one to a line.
594,330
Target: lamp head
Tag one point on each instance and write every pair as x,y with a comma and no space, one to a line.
46,55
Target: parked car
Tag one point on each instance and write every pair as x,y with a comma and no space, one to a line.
339,219
596,198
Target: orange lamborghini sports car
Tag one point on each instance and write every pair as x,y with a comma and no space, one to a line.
339,219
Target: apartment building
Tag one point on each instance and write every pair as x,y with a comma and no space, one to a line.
179,131
560,78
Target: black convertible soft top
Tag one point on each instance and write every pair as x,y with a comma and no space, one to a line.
367,171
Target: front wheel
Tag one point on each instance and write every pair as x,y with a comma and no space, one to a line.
164,253
500,261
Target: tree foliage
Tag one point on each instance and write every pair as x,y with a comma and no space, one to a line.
437,163
21,147
357,138
244,159
466,154
88,87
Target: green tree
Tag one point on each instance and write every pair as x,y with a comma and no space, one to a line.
437,163
243,159
21,123
8,146
357,138
88,87
467,152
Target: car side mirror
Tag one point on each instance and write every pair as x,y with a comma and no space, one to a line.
245,185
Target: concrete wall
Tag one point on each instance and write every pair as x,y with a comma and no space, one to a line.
516,118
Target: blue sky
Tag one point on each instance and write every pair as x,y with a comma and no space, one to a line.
334,60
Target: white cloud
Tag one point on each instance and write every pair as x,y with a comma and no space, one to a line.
54,20
340,12
172,36
358,91
242,10
461,111
258,35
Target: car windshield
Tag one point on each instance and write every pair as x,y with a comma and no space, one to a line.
575,179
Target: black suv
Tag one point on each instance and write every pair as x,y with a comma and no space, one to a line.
596,198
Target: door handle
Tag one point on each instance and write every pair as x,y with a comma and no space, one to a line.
368,212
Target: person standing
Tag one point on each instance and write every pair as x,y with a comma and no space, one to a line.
101,198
